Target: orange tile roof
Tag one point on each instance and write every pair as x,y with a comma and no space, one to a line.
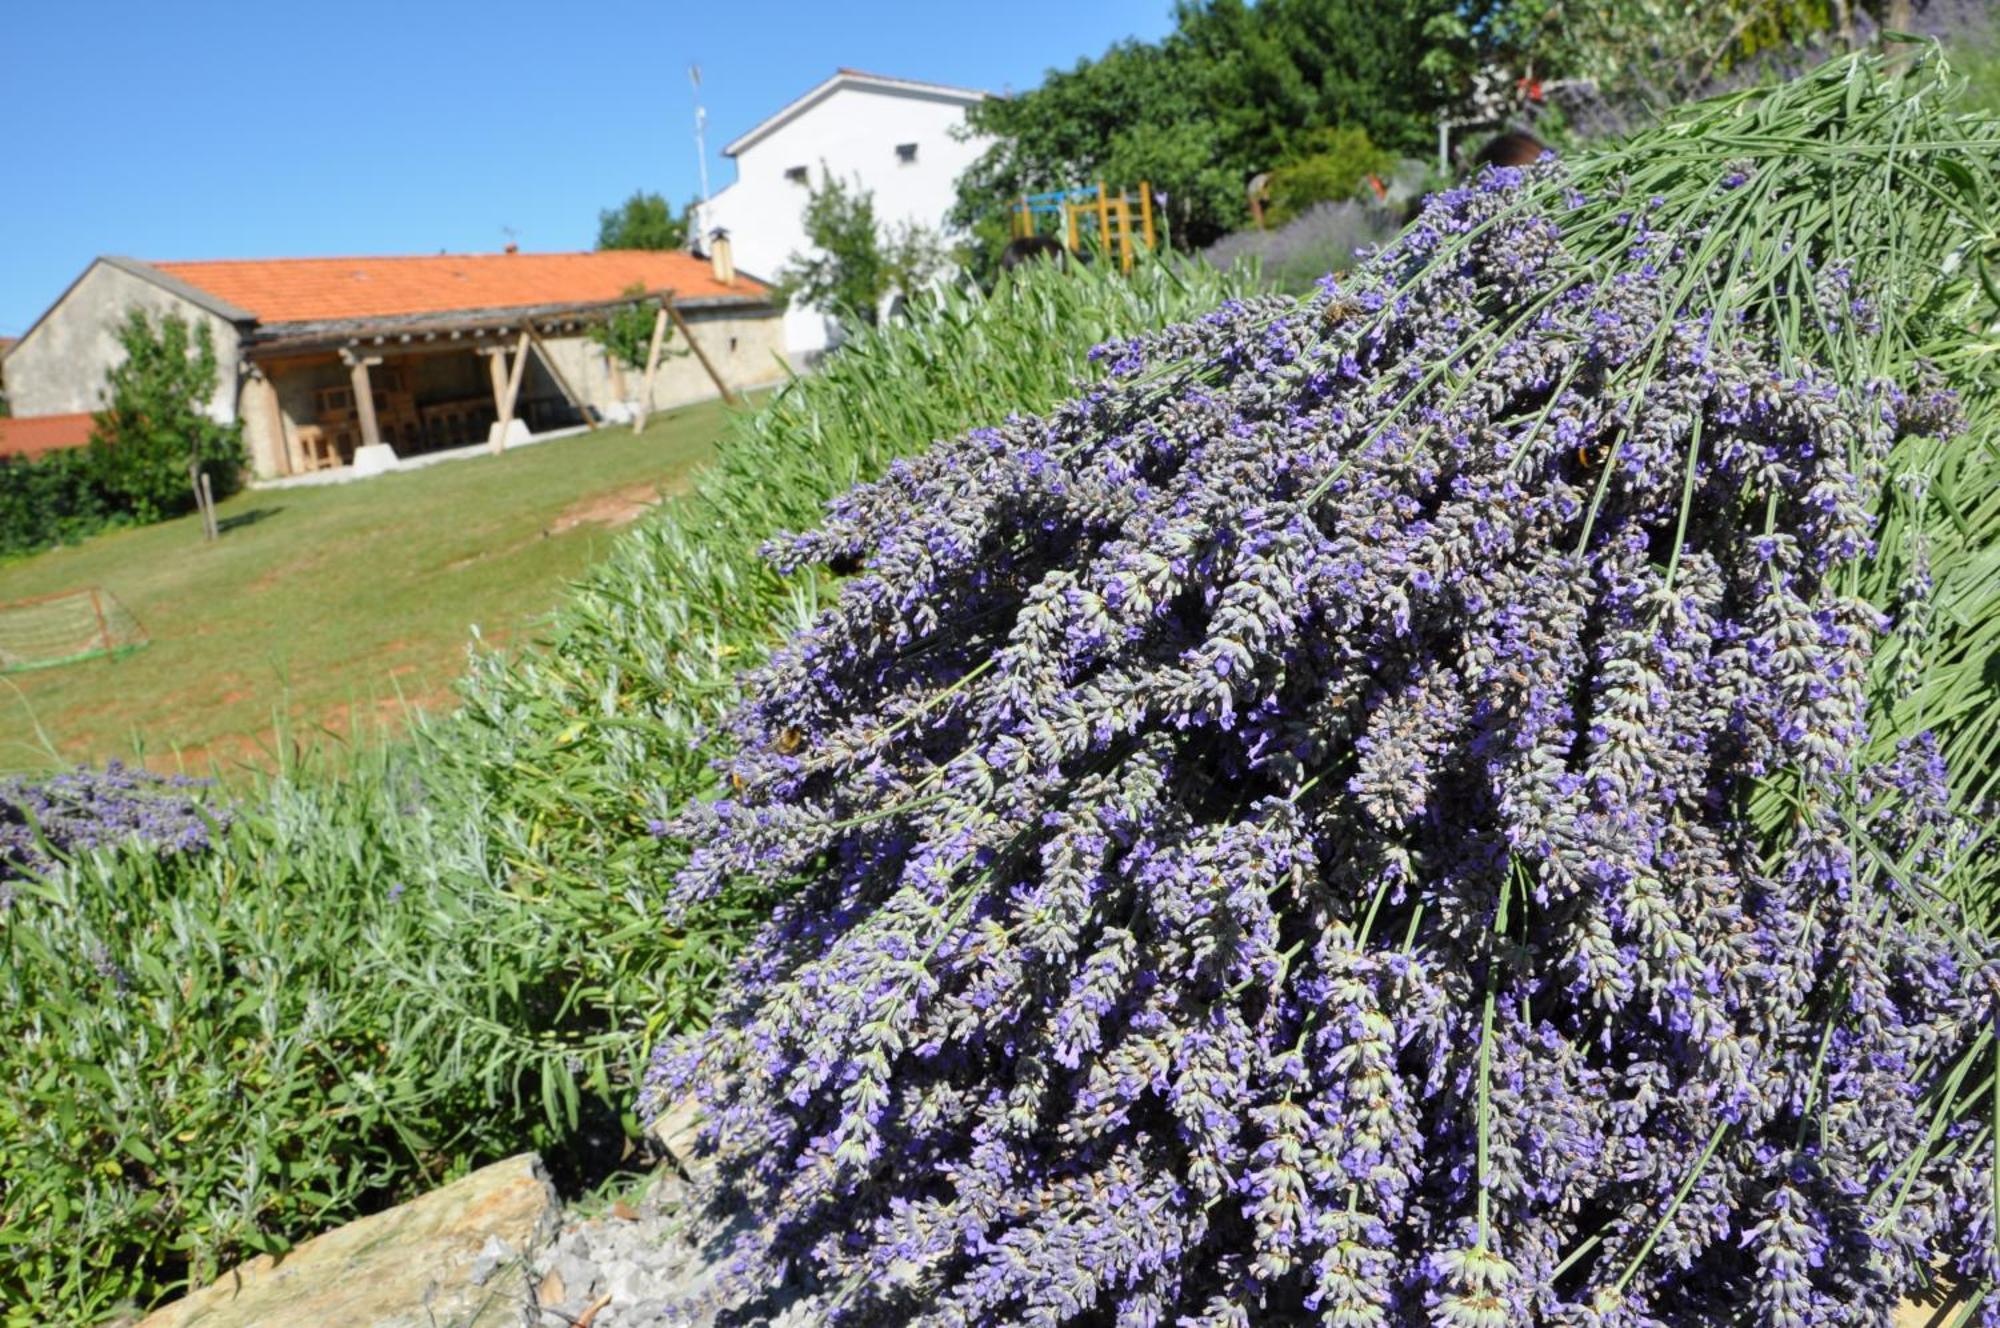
311,290
32,435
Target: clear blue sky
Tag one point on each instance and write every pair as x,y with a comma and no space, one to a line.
195,129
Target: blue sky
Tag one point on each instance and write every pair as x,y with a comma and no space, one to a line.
195,129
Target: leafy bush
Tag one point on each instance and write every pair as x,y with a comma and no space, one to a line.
1324,166
453,950
155,426
51,499
1372,816
207,1053
627,335
854,263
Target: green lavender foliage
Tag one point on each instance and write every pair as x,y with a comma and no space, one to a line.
450,950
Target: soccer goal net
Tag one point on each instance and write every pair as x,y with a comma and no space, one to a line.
65,627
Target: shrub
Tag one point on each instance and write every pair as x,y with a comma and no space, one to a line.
46,821
1371,816
453,950
627,334
155,426
1324,166
1329,237
51,499
854,264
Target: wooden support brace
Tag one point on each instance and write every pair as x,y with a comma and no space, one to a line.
680,325
506,420
652,367
1103,222
1146,212
555,371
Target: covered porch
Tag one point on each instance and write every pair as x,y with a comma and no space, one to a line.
366,398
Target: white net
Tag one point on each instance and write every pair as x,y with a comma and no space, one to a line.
66,627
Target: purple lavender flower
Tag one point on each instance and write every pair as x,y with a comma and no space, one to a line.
1286,836
45,820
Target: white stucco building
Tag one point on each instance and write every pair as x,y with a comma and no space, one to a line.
894,136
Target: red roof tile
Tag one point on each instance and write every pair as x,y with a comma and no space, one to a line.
32,435
303,290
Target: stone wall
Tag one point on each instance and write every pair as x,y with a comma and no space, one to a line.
59,367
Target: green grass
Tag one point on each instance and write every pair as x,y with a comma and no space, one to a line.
329,608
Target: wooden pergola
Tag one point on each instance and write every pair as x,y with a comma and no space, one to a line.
504,337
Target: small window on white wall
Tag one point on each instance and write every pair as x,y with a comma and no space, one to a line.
796,174
906,153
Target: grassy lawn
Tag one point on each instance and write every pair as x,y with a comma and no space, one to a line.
329,610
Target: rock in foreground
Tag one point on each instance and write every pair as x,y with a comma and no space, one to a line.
452,1256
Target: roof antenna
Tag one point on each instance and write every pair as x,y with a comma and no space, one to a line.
511,233
700,228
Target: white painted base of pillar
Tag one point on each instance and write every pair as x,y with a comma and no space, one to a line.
517,432
618,412
374,459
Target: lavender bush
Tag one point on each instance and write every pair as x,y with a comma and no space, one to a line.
61,815
1369,816
1325,238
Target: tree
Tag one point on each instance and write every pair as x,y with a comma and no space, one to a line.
643,221
153,428
854,264
1215,102
627,335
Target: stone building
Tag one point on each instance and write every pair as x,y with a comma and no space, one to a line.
332,362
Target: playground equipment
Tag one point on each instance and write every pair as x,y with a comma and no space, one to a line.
1077,209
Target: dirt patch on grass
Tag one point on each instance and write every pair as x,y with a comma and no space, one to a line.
611,509
618,507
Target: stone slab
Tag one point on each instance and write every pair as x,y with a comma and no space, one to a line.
430,1263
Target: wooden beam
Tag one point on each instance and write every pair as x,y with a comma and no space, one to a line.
555,371
1103,222
506,420
496,368
364,398
680,324
1146,211
652,368
274,413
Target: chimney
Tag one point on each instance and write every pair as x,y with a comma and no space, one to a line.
719,257
513,248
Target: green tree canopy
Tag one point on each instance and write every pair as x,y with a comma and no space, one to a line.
154,427
643,221
1230,91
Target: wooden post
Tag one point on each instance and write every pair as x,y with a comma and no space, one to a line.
1124,235
1146,211
208,507
496,365
1069,213
513,393
364,398
274,419
555,371
1025,221
680,325
103,627
1103,221
652,367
